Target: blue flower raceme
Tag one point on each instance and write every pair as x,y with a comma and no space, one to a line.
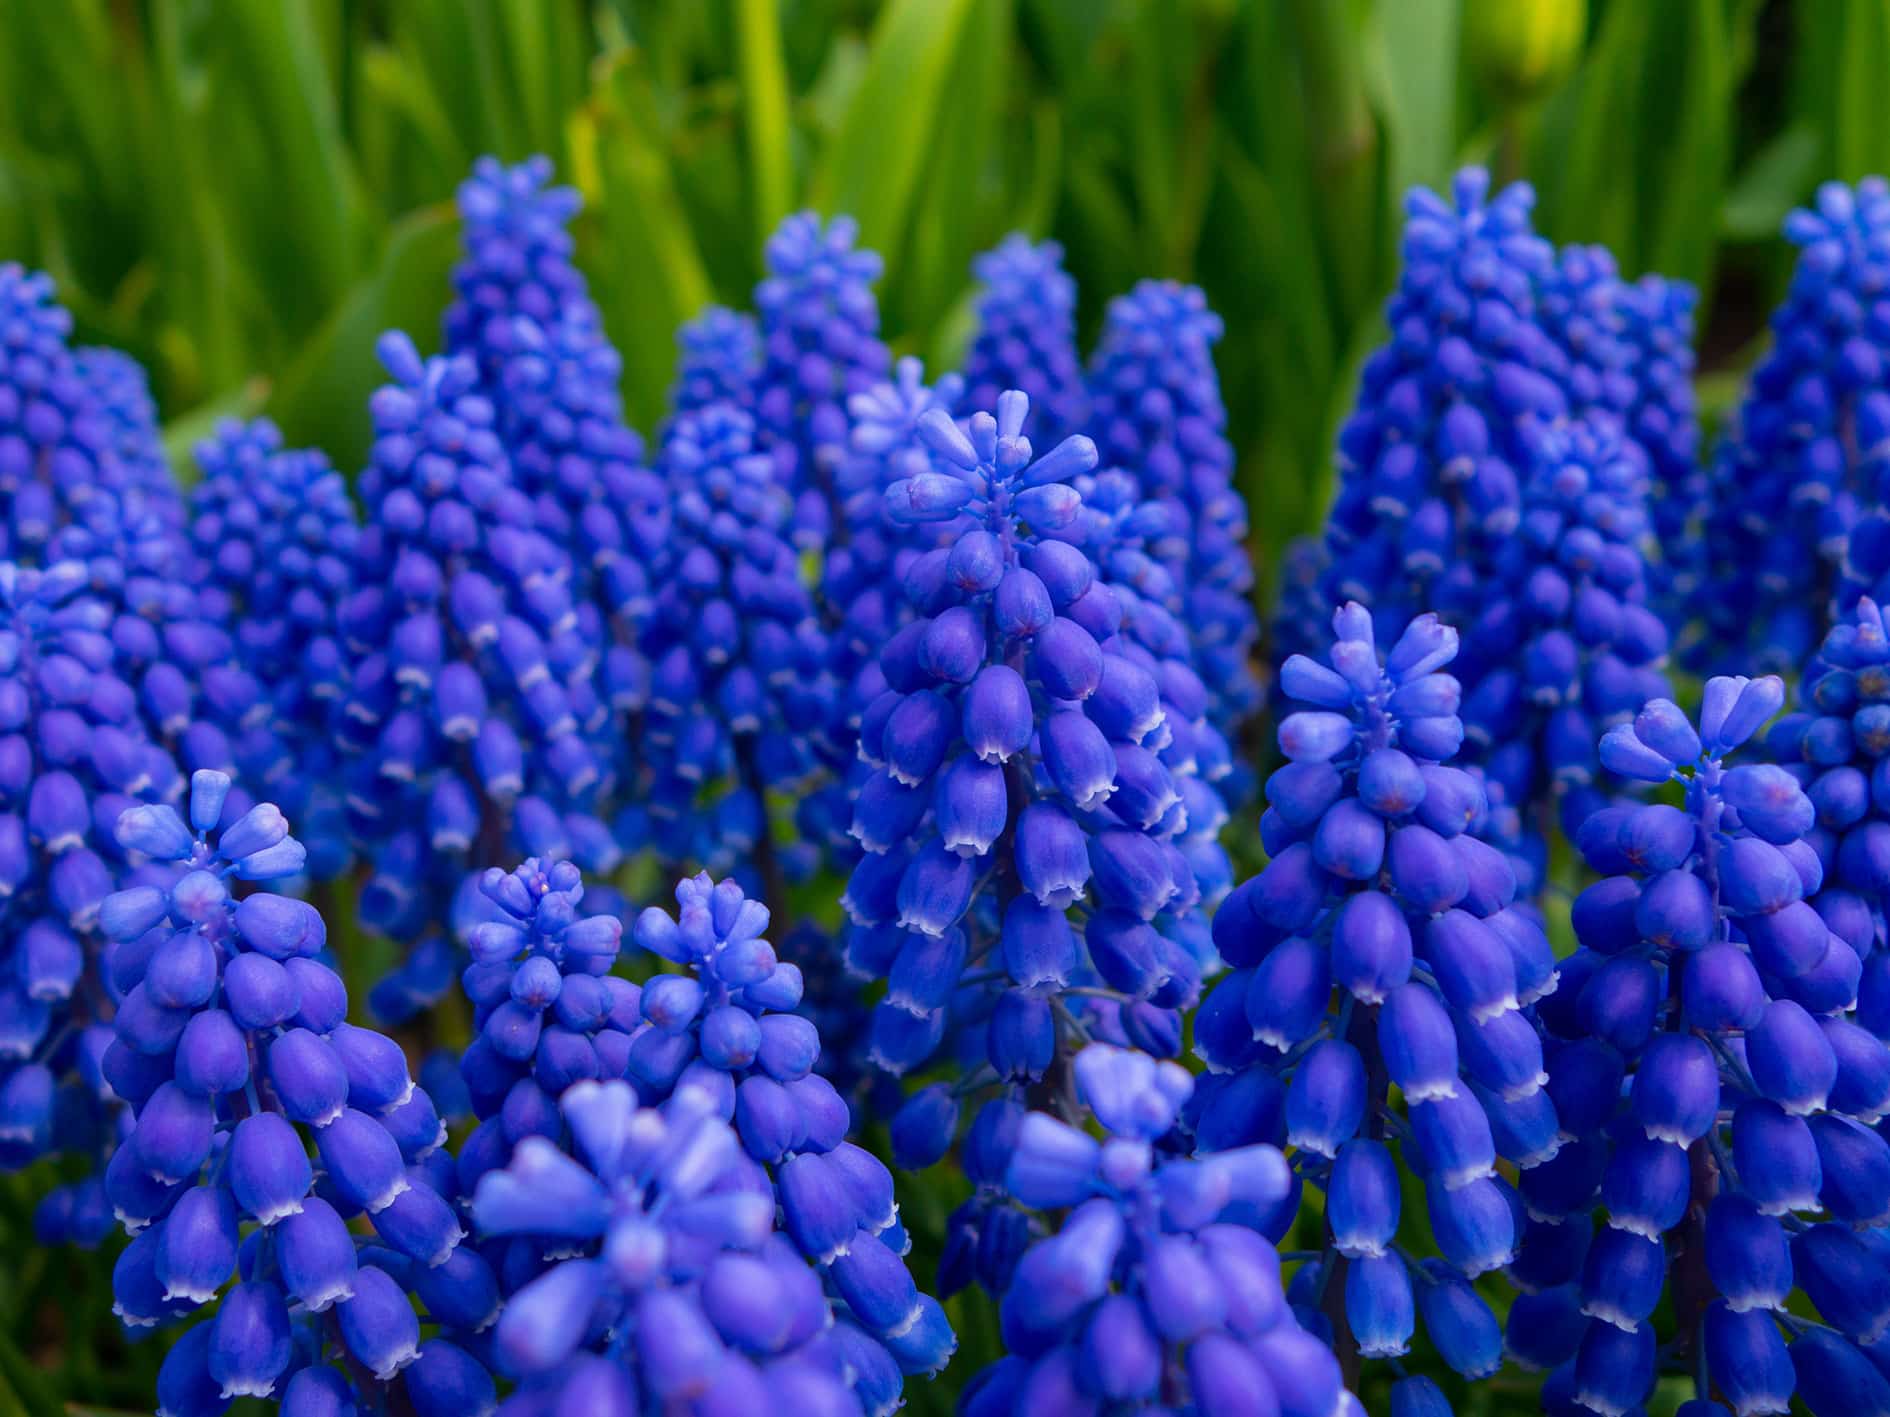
1836,746
1156,412
472,716
233,1052
718,361
274,531
1379,885
1719,1099
1563,643
671,1290
1026,338
1630,361
1794,479
820,344
712,1047
1026,883
77,751
1158,1292
739,694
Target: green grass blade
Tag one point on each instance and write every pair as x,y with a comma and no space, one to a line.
765,119
874,165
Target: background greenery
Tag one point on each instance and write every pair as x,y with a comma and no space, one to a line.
242,193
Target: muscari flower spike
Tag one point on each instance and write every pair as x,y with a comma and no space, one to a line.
1026,338
662,1284
1802,463
274,530
1020,827
1564,644
525,316
552,1019
1719,1099
820,344
1379,885
718,359
77,750
233,1052
1630,362
1835,747
739,694
1156,411
472,714
1159,1291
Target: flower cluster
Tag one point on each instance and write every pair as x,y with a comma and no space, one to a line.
1016,776
1160,1287
1835,746
1026,338
1564,644
1801,465
472,716
275,530
1156,412
739,695
1379,886
1719,1101
563,1043
233,1052
1630,351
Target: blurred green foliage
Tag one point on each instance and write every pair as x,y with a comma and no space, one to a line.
243,192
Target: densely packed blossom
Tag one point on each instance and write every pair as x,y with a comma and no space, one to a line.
1379,886
718,360
1160,1291
1156,411
472,721
717,1050
739,694
1563,643
820,344
1026,338
233,1051
1630,361
1801,464
1023,886
274,530
1718,1098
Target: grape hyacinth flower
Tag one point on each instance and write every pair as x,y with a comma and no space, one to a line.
274,530
1026,338
552,1019
727,1028
72,451
472,719
1563,644
1159,1292
1719,1100
233,1051
1836,746
547,1011
718,359
1020,827
820,345
660,1283
1432,454
1802,463
1630,355
739,695
524,315
1156,411
78,750
1379,885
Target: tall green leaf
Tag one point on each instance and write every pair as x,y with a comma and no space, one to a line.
874,166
